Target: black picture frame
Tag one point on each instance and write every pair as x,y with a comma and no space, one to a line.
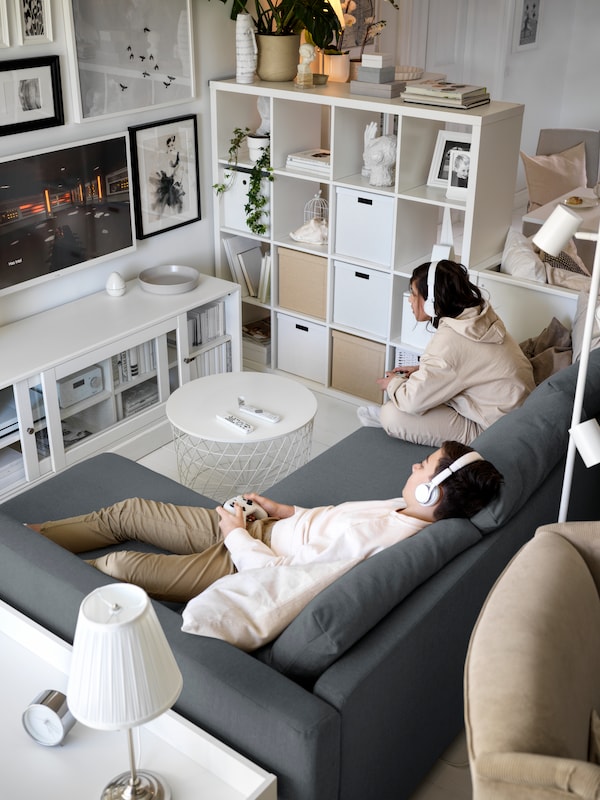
35,87
166,175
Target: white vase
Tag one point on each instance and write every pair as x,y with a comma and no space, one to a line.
337,67
246,51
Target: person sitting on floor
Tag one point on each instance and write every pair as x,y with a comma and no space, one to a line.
470,374
207,544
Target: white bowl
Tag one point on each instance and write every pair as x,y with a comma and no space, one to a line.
169,279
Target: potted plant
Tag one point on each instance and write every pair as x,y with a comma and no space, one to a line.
257,201
278,25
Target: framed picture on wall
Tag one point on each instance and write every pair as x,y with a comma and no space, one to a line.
32,94
4,36
63,209
525,25
127,55
447,141
165,175
458,174
34,21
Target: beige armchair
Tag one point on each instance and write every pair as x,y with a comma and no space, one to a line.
532,675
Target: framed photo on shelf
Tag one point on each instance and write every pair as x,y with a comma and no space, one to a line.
63,209
32,94
458,174
34,21
165,175
142,60
447,141
4,35
525,25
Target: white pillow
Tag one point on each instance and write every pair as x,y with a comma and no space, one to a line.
550,176
520,259
579,325
250,608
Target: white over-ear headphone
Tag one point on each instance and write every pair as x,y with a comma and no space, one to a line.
427,494
429,304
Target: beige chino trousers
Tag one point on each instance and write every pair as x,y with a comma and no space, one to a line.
190,533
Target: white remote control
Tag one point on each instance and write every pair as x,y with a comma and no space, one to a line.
239,424
255,411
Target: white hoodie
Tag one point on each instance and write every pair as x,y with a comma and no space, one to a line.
471,364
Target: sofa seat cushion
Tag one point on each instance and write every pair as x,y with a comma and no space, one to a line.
345,611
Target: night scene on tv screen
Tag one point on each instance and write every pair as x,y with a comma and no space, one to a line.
63,208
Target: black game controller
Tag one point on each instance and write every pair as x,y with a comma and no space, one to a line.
249,508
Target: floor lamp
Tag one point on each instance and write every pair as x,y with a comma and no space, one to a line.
122,675
584,437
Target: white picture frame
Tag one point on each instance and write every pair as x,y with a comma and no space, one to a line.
440,163
142,61
526,25
459,168
34,21
4,34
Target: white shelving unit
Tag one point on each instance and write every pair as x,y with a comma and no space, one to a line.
377,235
95,374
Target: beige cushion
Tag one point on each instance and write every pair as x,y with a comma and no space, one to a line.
250,608
550,176
521,259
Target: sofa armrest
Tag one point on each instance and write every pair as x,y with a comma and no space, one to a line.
517,775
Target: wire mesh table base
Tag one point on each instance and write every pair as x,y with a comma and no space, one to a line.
222,470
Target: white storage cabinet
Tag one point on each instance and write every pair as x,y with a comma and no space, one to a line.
382,232
95,374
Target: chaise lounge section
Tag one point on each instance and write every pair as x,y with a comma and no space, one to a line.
361,693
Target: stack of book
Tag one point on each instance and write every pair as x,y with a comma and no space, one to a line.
256,338
316,160
376,76
445,93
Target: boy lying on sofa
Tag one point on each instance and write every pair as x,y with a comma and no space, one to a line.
210,544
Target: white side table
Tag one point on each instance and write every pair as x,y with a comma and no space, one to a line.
192,763
214,458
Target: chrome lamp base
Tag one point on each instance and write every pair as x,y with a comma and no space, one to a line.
144,786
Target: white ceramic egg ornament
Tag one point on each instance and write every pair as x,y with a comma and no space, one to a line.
115,285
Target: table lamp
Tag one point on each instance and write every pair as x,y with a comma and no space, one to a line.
584,437
122,675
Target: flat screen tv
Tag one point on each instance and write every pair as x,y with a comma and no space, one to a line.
63,209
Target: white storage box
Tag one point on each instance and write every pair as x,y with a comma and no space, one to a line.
302,348
364,225
361,298
416,334
235,198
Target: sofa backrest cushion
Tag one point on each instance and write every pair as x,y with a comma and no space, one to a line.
345,611
526,444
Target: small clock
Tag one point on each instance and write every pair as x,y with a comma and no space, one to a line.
47,718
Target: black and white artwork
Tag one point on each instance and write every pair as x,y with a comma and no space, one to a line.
34,21
30,94
447,141
130,55
527,17
166,179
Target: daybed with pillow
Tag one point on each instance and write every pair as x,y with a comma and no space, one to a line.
362,690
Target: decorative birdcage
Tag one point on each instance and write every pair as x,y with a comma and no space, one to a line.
317,208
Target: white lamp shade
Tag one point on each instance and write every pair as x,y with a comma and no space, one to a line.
560,226
587,440
123,672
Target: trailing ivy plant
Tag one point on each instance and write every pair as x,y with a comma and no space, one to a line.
256,201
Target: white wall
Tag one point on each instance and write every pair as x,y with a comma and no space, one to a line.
557,82
192,244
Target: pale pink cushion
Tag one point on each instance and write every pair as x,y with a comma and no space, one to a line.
550,176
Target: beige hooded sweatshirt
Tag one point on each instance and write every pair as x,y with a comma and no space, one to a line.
471,364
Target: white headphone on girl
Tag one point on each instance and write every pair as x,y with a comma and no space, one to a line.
429,304
427,494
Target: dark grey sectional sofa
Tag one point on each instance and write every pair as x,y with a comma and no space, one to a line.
363,691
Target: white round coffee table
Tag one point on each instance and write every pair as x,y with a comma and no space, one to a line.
221,462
